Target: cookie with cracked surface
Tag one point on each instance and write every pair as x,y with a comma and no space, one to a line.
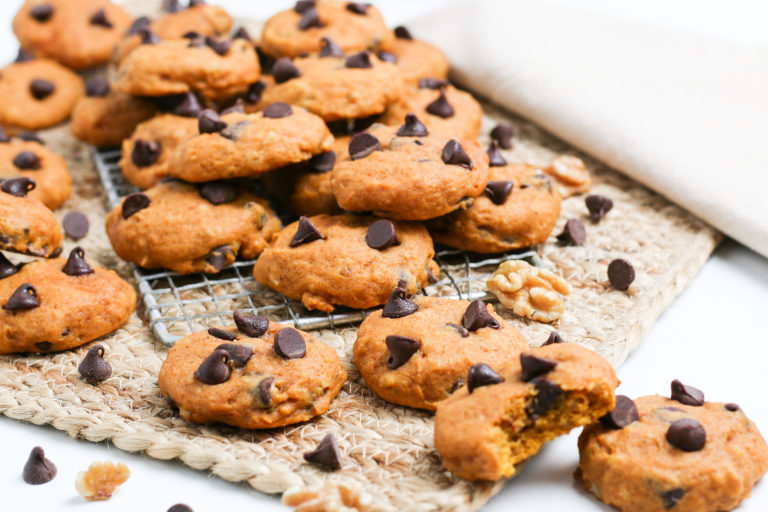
519,208
410,176
417,59
502,418
328,260
300,30
21,158
678,472
262,378
446,348
26,225
188,228
37,94
61,303
79,34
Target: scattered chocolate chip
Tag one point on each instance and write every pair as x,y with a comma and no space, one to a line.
477,316
42,12
255,90
309,19
621,274
289,344
242,33
362,145
728,407
4,138
303,5
189,106
148,37
547,395
323,162
495,158
180,507
18,187
236,108
624,413
266,62
209,122
687,395
361,60
145,152
44,346
265,391
305,233
218,192
6,267
463,331
38,469
96,86
503,133
403,33
93,367
398,305
672,497
358,7
24,298
30,137
381,235
687,434
498,191
401,348
76,265
482,375
220,257
534,366
330,49
99,18
440,107
387,57
432,83
134,203
253,326
573,233
222,334
75,225
598,206
277,110
454,154
27,161
284,70
215,369
554,337
327,454
24,56
139,24
220,46
412,127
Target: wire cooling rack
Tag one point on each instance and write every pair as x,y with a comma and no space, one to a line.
179,304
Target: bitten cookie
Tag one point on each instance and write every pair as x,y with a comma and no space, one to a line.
417,352
190,228
498,420
60,303
26,225
260,375
414,58
659,454
20,158
405,173
346,260
79,34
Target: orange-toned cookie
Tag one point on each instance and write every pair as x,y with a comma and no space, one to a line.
28,158
27,226
414,58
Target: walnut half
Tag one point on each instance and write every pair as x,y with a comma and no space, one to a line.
101,480
335,497
529,291
570,175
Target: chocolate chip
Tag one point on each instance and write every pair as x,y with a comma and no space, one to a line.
498,191
482,375
264,390
23,56
533,366
139,24
24,298
303,5
432,83
361,60
277,110
220,46
44,346
323,162
495,158
305,233
624,413
4,138
75,225
398,305
358,7
148,37
253,326
284,70
463,331
330,49
134,203
195,3
27,161
237,108
621,274
222,334
255,90
93,367
6,267
96,86
180,507
362,145
220,257
242,33
289,344
573,233
215,369
554,337
454,154
145,152
381,235
431,277
172,6
547,395
309,19
42,12
728,407
672,497
401,348
30,137
266,62
238,354
412,127
99,18
76,265
477,316
503,133
440,107
209,122
387,57
687,395
18,187
598,206
218,192
403,33
38,469
687,434
327,454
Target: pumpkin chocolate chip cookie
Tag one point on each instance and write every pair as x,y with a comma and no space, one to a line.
22,158
26,225
414,58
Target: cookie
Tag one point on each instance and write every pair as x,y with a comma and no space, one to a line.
237,145
414,58
500,419
410,176
346,260
702,458
79,34
417,352
37,94
61,303
438,105
26,225
21,158
519,208
261,375
352,26
188,229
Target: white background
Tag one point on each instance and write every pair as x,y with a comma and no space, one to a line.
712,337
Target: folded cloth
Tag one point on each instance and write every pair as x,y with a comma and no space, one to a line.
685,114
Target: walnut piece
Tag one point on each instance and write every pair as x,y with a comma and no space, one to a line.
101,480
333,497
529,291
570,175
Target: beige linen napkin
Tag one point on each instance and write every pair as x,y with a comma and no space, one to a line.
686,115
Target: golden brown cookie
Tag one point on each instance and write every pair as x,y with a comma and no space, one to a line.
410,176
352,26
20,158
237,145
189,228
60,303
260,375
77,33
26,225
37,94
417,352
658,454
501,418
414,58
347,260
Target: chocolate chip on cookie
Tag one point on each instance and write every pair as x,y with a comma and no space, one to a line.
402,32
220,46
361,60
6,267
310,19
218,192
554,338
93,367
432,83
289,344
687,434
687,395
41,12
573,233
362,145
329,48
255,90
189,106
277,110
239,354
412,127
482,375
534,366
327,454
284,70
495,158
209,122
305,233
401,348
253,326
621,274
503,133
76,264
41,89
623,414
100,19
323,162
215,369
454,154
381,235
24,298
222,334
498,191
145,152
398,304
27,161
242,33
134,203
18,187
96,86
548,393
477,316
440,107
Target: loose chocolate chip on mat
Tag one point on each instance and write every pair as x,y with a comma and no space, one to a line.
220,46
361,60
42,12
218,192
463,331
323,162
729,407
27,161
238,354
18,187
554,337
687,434
482,375
495,158
289,344
305,233
401,348
215,369
148,37
222,334
672,497
180,507
220,257
534,366
621,273
99,18
134,203
687,395
6,267
31,137
498,191
412,127
381,235
547,395
24,56
75,225
41,89
330,49
303,5
573,233
362,145
284,70
139,24
38,469
403,33
398,305
189,106
503,133
432,83
76,265
236,108
440,107
477,316
145,152
454,154
93,367
96,86
209,122
255,90
309,19
267,62
358,7
24,298
598,206
623,413
265,391
277,110
387,57
327,454
242,33
254,326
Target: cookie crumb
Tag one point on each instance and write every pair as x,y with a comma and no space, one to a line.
101,479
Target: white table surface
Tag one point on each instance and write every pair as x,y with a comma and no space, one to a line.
711,337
